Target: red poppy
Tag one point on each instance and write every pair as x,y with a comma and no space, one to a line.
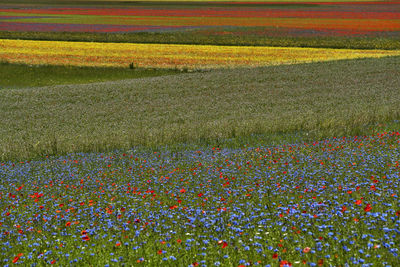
284,263
358,202
68,224
182,190
373,187
85,238
275,256
368,208
16,258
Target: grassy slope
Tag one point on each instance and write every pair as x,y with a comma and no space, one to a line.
324,99
19,75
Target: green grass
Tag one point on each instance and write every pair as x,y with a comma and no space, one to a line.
212,37
19,75
319,100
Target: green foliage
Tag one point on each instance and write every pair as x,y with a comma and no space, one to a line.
20,75
318,100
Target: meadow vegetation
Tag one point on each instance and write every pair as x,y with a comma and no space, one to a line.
287,165
324,203
322,99
23,75
329,25
193,57
388,42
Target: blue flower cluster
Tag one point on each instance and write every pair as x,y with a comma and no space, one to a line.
331,202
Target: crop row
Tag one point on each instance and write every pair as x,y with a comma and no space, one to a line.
305,23
168,55
241,36
354,19
332,12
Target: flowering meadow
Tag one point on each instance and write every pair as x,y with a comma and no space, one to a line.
169,55
323,24
332,202
213,168
302,18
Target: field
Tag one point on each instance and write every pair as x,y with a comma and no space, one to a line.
199,133
196,35
322,203
22,76
201,107
194,57
363,25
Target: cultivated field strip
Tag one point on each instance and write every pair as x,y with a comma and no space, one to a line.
315,18
169,55
324,99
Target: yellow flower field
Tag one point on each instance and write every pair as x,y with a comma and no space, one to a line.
169,55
